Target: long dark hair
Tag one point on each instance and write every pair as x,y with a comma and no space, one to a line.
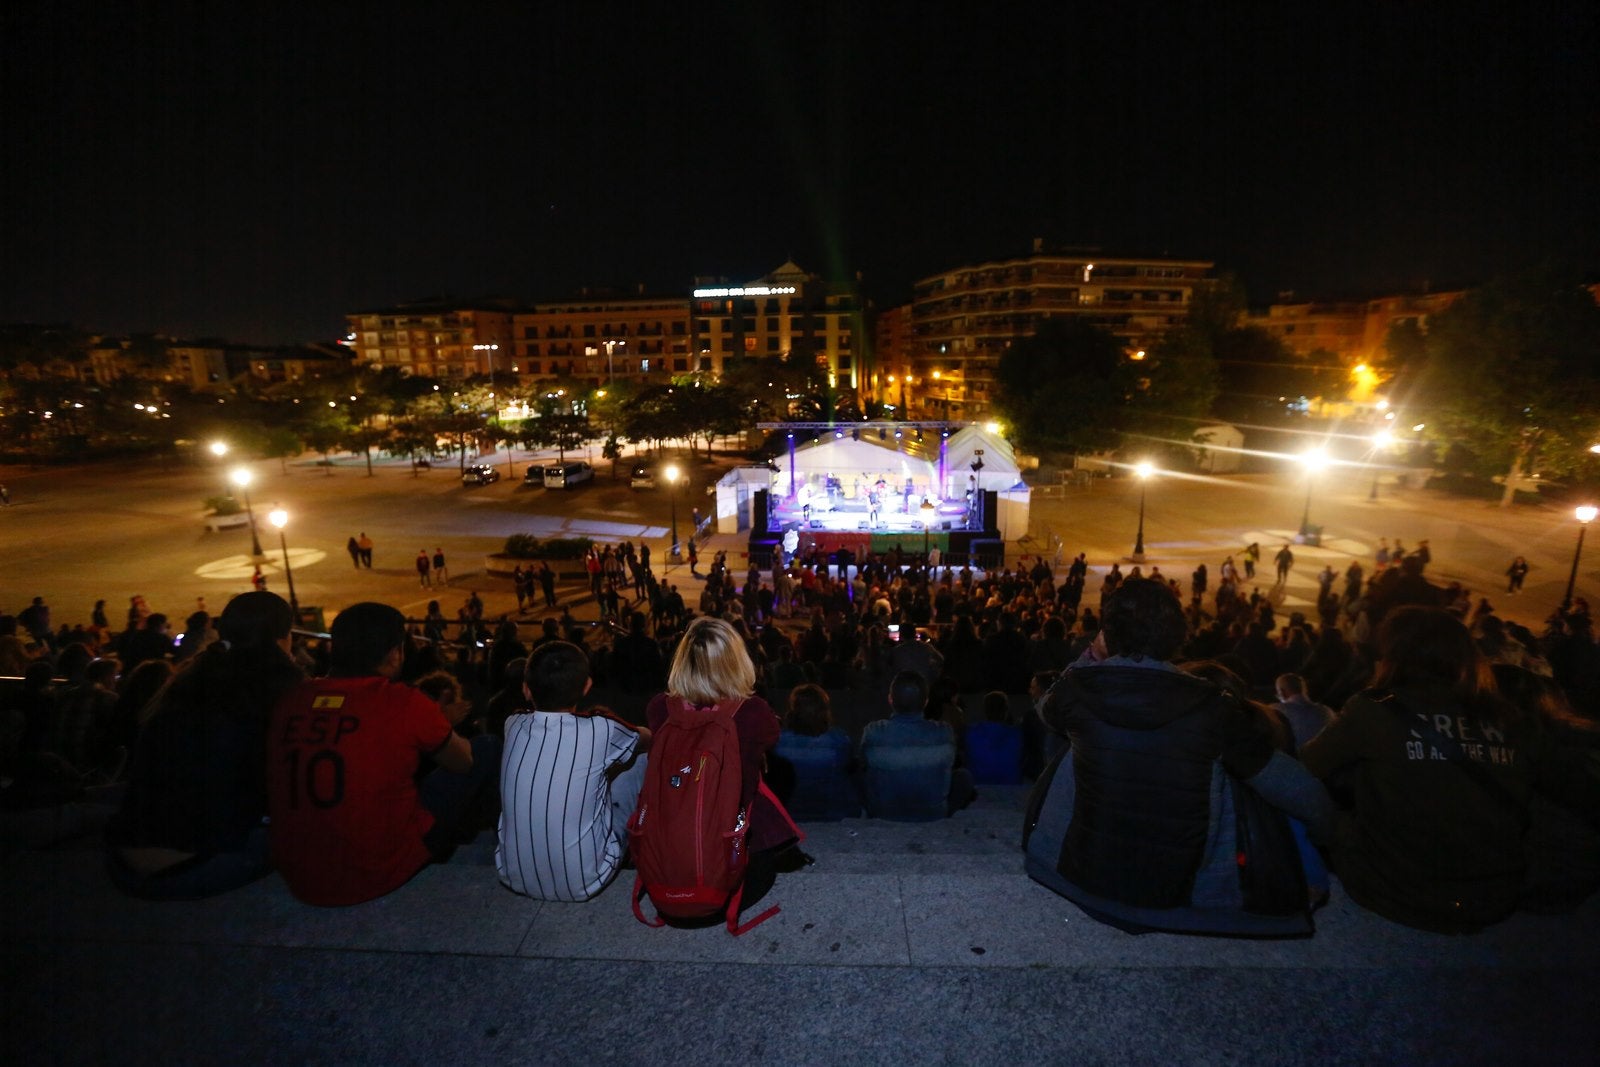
1420,646
244,673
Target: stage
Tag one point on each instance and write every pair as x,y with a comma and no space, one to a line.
849,525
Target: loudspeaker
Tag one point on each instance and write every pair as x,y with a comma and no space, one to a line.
758,510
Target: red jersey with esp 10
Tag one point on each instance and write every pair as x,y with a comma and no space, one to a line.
342,755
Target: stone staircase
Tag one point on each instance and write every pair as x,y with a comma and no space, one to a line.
903,942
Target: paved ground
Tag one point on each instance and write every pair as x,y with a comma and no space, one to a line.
79,535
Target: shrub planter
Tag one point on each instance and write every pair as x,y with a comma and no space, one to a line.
501,565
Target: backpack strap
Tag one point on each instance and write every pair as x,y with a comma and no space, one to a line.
733,914
638,912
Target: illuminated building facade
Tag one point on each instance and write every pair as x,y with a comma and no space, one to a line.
600,337
893,380
436,339
1307,328
963,319
790,314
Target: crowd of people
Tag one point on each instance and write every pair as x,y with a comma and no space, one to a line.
1399,730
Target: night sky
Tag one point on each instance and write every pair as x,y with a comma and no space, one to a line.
256,171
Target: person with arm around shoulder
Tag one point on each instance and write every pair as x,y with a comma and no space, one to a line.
568,783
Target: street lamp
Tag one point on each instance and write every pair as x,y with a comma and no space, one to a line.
1380,441
1144,471
610,345
672,474
280,518
1585,515
491,349
1313,460
241,478
219,448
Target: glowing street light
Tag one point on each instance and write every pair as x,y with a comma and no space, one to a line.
672,474
241,477
1585,515
219,448
1313,460
280,518
1144,471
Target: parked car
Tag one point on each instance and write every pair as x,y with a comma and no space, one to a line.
480,474
567,475
643,477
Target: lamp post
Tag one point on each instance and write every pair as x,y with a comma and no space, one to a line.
672,475
1313,460
241,478
1143,470
280,518
1585,515
610,347
1380,441
491,350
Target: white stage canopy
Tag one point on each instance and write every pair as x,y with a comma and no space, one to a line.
856,464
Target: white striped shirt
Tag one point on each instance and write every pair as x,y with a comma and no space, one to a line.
556,836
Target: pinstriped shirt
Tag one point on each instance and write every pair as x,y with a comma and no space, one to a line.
556,839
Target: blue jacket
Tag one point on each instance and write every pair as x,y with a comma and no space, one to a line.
823,788
908,762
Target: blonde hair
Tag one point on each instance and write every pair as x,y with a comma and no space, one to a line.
711,664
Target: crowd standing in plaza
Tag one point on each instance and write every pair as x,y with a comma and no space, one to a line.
1396,728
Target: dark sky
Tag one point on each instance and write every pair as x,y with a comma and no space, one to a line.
255,171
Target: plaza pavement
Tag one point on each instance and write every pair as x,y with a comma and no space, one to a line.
80,535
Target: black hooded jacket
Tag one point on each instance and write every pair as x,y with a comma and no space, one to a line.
1144,745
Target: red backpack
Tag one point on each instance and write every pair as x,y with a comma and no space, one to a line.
689,828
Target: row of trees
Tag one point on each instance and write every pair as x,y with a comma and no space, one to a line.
45,414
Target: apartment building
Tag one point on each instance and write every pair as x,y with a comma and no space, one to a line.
439,339
965,317
599,337
893,378
788,313
1307,328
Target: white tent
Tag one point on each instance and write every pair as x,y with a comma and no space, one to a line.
857,464
971,444
1219,448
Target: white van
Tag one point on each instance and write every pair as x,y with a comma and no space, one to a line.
566,475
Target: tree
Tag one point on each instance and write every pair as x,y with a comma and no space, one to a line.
280,442
412,437
1510,370
612,450
325,430
1074,387
508,434
773,389
364,438
559,432
1063,389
